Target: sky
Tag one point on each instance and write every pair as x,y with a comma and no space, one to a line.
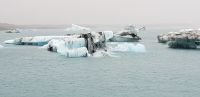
99,11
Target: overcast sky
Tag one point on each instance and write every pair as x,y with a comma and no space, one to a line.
99,11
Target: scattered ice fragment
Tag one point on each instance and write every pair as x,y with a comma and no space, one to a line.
126,47
9,42
37,40
108,34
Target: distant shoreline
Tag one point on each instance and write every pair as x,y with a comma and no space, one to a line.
6,26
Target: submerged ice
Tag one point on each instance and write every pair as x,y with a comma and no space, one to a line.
126,47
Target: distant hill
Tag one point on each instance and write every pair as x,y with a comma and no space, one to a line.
5,26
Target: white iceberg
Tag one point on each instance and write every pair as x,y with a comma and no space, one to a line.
77,29
9,42
13,31
108,34
67,43
37,40
69,47
126,47
73,53
129,34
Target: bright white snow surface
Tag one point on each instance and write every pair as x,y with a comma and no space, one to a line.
126,47
77,29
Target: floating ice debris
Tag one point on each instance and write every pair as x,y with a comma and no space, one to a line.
73,53
126,47
102,53
37,40
186,38
13,31
9,42
77,29
108,34
67,43
129,34
79,44
69,47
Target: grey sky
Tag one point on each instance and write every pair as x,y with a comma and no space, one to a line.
99,11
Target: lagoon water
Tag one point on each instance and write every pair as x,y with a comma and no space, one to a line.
27,71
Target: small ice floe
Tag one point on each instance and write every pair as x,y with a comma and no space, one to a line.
9,42
76,46
69,47
73,53
129,34
13,31
126,47
103,53
108,34
186,38
37,40
77,29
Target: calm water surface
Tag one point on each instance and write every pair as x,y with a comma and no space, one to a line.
27,71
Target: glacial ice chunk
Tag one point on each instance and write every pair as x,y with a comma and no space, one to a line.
73,53
108,34
69,47
126,47
103,53
9,42
37,40
68,42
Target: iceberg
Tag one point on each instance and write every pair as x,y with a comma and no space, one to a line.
79,45
108,34
69,47
73,53
9,42
129,34
126,47
37,40
69,43
77,29
13,31
185,38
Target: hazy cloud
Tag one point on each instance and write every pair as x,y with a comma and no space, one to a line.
99,11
